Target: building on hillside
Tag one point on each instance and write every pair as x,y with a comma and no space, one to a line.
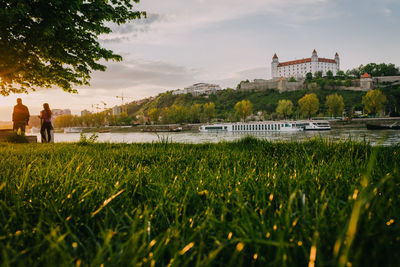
199,89
60,112
299,68
366,81
85,112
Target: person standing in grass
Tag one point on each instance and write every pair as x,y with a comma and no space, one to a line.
20,116
45,120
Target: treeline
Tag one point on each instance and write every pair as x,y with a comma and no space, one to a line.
309,105
306,107
181,114
265,102
373,69
93,120
347,78
232,105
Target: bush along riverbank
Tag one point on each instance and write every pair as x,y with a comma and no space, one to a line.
249,202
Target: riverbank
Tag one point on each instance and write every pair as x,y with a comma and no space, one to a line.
335,124
362,122
239,203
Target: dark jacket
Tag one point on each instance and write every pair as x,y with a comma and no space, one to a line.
20,114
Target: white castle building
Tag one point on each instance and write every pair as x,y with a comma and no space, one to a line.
299,68
199,89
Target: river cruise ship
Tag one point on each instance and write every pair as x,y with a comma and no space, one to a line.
313,125
267,126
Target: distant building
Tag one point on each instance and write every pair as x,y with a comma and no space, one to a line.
116,110
366,81
60,112
199,89
85,112
299,68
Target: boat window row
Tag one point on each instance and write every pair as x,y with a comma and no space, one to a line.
215,128
258,127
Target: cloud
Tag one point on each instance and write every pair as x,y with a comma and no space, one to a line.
199,13
233,78
387,12
139,25
114,40
180,18
143,73
124,32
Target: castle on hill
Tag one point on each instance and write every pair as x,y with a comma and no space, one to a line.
299,68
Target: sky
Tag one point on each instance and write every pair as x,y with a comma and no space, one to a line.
183,42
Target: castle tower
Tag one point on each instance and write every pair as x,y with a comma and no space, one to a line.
337,61
314,62
274,66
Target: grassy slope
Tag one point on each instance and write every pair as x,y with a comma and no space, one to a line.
251,202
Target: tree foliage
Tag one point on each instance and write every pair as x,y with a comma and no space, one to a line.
244,109
209,110
334,104
340,75
329,74
47,43
348,83
154,114
92,120
178,114
376,70
309,105
374,101
284,108
195,113
318,74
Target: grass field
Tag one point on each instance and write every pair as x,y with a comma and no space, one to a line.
251,202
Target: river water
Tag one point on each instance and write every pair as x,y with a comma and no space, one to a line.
385,137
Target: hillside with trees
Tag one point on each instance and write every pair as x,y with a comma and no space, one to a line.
330,103
320,97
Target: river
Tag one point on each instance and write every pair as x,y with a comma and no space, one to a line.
386,137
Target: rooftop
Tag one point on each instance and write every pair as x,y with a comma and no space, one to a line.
305,60
366,75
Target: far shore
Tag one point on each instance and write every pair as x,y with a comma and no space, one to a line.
335,124
190,127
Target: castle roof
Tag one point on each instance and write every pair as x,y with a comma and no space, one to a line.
294,62
305,60
314,52
336,55
275,56
327,60
366,75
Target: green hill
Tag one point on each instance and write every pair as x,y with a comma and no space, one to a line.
265,100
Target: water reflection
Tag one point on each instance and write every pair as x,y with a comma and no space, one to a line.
386,137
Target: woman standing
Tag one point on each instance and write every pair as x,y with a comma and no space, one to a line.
45,119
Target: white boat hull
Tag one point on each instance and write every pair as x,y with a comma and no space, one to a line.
263,126
73,130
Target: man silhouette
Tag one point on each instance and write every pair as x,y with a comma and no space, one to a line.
20,116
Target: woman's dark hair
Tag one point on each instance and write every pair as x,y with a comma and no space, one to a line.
47,108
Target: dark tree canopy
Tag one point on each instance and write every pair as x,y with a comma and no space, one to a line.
377,70
46,43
